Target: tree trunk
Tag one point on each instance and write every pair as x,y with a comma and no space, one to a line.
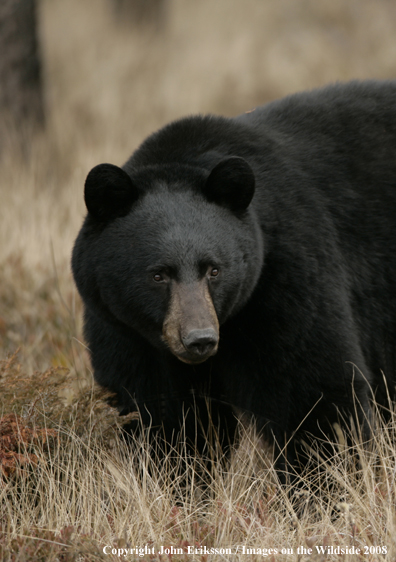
21,92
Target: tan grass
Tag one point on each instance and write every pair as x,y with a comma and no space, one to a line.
88,495
107,87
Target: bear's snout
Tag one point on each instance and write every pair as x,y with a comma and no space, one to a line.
201,342
191,327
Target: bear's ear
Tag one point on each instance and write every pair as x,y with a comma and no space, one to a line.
231,184
109,192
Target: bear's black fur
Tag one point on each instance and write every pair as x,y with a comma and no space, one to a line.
251,261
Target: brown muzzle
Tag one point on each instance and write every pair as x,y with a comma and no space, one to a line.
191,328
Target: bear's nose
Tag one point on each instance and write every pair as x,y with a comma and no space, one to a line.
201,342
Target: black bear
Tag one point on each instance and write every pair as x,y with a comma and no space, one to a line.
249,262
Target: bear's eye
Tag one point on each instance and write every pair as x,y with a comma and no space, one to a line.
158,277
214,272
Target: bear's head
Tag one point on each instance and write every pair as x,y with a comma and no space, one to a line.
170,251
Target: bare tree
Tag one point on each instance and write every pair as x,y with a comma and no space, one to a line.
21,92
146,12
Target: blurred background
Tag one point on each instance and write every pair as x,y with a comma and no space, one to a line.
84,82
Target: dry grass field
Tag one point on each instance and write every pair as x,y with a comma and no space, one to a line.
69,486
